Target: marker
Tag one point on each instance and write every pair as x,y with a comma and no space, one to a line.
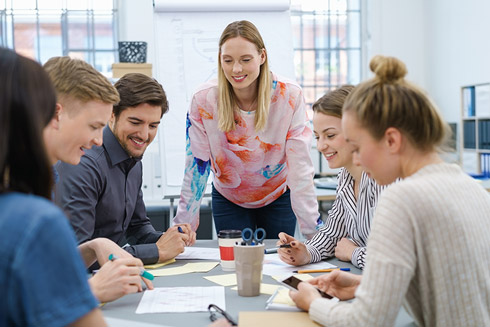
180,230
143,273
307,271
274,250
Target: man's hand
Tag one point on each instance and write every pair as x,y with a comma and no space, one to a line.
297,255
344,249
339,284
172,243
186,228
118,278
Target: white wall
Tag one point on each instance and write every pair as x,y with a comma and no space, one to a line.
397,28
459,50
444,43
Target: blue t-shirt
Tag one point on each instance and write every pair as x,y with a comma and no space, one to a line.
41,270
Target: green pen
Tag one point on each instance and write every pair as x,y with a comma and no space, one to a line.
143,273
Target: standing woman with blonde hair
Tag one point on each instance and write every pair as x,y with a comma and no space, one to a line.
251,129
428,247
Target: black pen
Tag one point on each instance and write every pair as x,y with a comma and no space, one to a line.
274,250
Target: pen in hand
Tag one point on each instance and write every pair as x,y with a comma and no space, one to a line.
274,250
143,273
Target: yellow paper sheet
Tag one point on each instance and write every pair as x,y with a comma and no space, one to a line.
223,280
185,269
170,271
264,288
201,266
275,318
283,297
158,265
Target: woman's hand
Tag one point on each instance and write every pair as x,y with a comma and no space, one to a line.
297,255
339,284
118,278
305,294
99,250
344,249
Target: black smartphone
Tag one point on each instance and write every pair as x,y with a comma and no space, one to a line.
292,283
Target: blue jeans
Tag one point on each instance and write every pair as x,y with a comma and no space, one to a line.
274,218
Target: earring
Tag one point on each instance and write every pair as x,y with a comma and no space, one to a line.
6,178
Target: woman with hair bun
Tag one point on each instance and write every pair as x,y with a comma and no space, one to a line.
428,247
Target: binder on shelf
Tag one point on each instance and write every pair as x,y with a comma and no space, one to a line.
482,100
485,164
469,101
484,134
469,134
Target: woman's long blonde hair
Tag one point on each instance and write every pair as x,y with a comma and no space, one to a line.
227,104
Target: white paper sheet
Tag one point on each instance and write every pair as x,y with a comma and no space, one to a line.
181,299
274,266
199,254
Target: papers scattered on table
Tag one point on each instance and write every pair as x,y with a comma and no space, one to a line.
158,265
264,288
274,266
199,254
181,299
185,269
281,300
223,280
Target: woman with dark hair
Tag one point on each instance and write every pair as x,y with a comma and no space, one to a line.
41,272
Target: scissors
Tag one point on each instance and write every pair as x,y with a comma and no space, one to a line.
252,238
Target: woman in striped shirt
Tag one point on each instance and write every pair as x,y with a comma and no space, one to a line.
347,227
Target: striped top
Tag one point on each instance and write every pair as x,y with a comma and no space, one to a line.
429,249
347,218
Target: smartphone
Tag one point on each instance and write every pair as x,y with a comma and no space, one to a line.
292,283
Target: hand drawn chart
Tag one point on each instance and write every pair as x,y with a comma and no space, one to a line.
181,299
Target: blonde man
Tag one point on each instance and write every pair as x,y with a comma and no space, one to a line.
84,105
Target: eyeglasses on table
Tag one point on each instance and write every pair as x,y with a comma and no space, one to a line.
216,312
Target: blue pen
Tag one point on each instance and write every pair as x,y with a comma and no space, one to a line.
180,230
143,273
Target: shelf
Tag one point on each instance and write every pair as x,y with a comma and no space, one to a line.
121,69
475,128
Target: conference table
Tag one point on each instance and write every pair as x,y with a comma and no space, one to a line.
121,313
